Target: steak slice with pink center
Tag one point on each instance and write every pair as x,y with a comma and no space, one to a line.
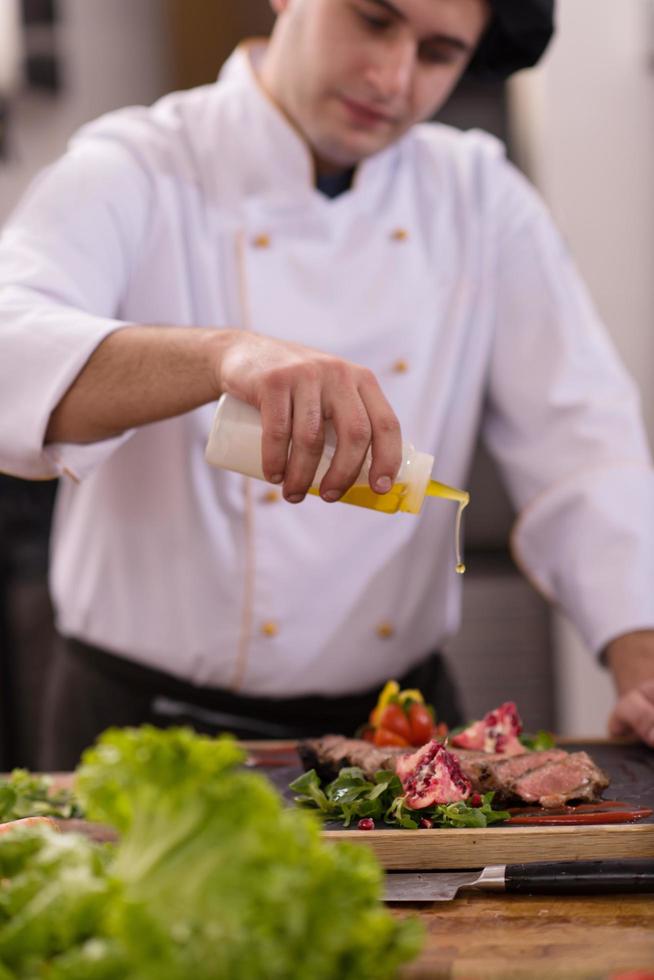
498,772
575,777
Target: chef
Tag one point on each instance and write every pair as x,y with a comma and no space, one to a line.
296,236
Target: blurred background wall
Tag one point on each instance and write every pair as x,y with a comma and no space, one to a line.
63,62
108,55
581,126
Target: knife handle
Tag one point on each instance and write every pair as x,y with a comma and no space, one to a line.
580,877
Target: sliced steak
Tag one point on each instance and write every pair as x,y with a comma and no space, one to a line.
506,771
331,753
475,765
499,772
549,778
575,777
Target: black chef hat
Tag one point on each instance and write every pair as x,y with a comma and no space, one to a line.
516,37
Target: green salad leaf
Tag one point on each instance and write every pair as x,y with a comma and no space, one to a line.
212,878
539,742
132,772
461,814
53,896
352,796
24,794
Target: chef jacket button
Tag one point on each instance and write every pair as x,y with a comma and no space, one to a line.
385,630
261,241
400,366
271,496
270,628
399,235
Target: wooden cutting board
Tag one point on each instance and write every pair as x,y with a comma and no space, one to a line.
630,768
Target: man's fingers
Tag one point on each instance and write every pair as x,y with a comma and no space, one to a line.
276,421
307,441
353,433
618,727
386,442
634,713
296,390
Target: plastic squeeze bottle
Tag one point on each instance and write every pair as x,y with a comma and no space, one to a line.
235,444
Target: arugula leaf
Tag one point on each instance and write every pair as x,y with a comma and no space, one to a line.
458,815
402,815
352,796
310,792
539,742
463,815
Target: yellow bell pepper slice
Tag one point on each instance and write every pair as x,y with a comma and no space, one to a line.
412,694
390,690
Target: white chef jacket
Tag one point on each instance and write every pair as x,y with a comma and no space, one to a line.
439,269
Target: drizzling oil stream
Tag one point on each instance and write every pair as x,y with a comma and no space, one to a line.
390,503
436,489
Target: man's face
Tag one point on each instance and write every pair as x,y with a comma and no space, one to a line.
354,75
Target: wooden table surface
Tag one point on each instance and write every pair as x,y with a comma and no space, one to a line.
515,937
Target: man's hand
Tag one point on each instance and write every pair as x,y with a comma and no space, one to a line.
144,374
297,390
631,658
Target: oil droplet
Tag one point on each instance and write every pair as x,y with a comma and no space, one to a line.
436,489
460,567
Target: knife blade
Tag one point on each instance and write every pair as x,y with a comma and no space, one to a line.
534,878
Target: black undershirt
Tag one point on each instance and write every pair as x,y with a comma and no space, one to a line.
331,185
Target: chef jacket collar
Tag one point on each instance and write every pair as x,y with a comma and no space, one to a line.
274,159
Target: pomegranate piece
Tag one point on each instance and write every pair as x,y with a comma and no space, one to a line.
430,776
472,737
366,823
497,732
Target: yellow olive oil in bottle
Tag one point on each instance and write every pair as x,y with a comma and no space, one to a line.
235,444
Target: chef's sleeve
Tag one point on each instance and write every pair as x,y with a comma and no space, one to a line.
65,259
565,425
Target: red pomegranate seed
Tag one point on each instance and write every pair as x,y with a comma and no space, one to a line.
366,823
475,800
426,823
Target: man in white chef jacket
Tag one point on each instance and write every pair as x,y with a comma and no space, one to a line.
291,236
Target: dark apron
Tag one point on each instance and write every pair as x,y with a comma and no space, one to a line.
89,690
